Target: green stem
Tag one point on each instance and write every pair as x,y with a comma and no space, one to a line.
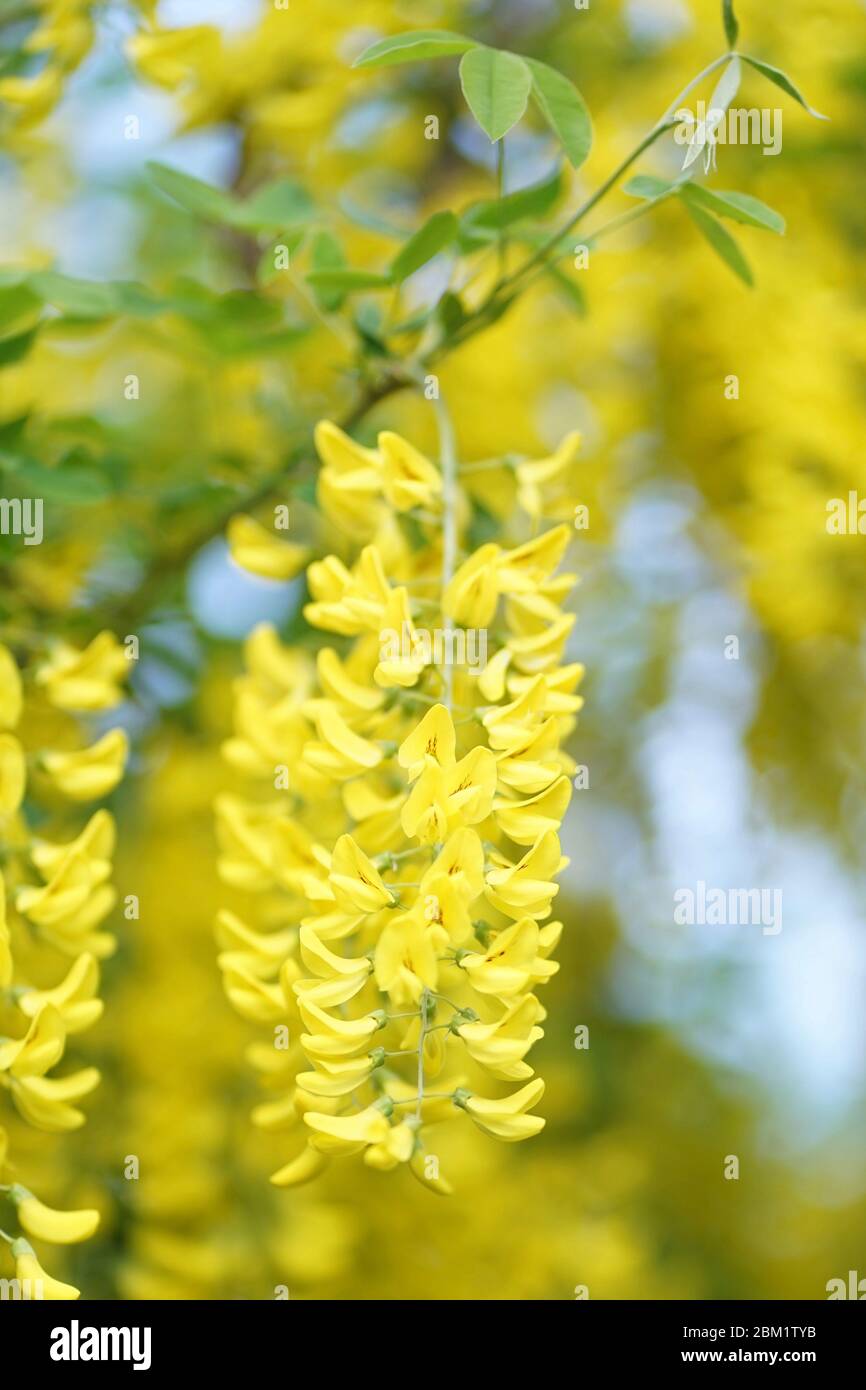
537,263
626,217
500,193
422,1033
448,462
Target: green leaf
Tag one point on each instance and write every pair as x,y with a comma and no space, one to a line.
781,79
80,299
729,19
647,186
450,312
415,47
13,349
369,324
564,109
72,483
723,94
201,199
437,233
327,254
533,201
20,310
235,324
739,207
281,204
136,300
345,279
496,86
721,241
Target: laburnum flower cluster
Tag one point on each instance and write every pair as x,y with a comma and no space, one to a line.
405,855
60,35
54,899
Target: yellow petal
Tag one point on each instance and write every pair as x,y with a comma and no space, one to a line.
13,774
10,690
308,1165
30,1273
57,1227
92,772
255,548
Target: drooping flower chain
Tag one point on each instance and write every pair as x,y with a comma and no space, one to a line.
54,898
406,852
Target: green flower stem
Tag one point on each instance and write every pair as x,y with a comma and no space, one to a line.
448,463
422,1033
537,263
632,215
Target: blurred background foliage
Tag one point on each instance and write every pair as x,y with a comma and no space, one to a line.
707,520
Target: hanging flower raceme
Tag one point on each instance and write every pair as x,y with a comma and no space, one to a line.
405,855
58,35
54,898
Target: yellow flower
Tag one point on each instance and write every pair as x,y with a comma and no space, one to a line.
526,888
85,680
355,879
33,1278
169,56
56,1227
403,795
347,1134
461,861
507,1119
526,821
473,593
510,963
337,980
254,998
329,1037
537,479
397,1147
90,773
402,656
308,1165
349,486
74,998
527,567
6,962
501,1046
13,774
254,548
425,814
406,960
62,915
63,895
336,1078
344,602
408,479
95,844
10,690
533,762
338,752
45,1102
39,1049
432,742
34,96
